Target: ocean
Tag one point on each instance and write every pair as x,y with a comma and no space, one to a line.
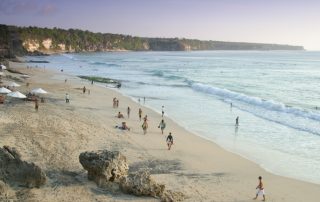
275,94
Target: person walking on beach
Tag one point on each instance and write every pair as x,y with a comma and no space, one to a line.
162,112
162,126
128,112
117,103
36,105
114,102
237,121
169,141
67,98
145,127
145,118
260,190
84,89
139,100
91,82
140,113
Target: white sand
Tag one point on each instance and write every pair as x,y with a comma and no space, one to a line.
54,137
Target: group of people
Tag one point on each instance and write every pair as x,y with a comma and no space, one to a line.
145,125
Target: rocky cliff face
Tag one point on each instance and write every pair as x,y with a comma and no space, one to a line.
34,40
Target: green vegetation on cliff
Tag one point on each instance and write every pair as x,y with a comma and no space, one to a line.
26,40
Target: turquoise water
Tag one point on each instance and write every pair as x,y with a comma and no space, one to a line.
275,95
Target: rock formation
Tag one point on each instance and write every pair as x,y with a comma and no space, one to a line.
15,170
141,184
109,169
104,166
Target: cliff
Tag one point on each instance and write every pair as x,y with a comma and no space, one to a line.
34,40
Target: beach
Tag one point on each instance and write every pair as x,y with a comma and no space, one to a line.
54,137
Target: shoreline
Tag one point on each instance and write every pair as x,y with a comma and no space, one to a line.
223,175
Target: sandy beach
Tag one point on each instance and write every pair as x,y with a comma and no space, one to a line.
54,137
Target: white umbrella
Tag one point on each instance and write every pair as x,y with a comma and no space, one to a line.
25,76
3,67
13,84
39,91
16,94
4,90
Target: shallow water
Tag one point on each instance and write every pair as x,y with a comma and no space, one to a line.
273,93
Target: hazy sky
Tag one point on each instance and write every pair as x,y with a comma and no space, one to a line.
294,22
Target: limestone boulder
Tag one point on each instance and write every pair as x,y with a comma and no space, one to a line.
104,166
15,170
141,184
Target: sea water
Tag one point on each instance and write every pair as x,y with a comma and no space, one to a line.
274,93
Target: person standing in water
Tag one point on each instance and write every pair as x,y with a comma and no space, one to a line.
260,190
237,121
140,113
162,112
162,126
169,141
128,112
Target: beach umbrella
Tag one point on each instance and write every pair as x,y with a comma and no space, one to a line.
25,76
4,90
3,67
39,91
13,84
16,94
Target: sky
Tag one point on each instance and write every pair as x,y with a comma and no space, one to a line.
294,22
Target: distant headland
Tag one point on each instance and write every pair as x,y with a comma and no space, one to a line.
19,41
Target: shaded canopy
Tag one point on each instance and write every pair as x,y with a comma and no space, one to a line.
16,94
4,90
13,84
39,91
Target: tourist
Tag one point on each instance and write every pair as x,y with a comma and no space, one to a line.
36,104
128,112
139,100
145,118
140,113
117,103
91,82
114,102
120,116
237,121
145,127
84,89
169,141
162,125
260,189
67,98
162,111
123,126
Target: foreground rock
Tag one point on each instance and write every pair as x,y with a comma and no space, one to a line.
104,166
142,184
109,169
15,170
6,194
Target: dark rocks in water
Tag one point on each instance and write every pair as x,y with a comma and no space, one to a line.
37,53
15,170
104,166
37,61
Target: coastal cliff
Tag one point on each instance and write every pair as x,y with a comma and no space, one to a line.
36,41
